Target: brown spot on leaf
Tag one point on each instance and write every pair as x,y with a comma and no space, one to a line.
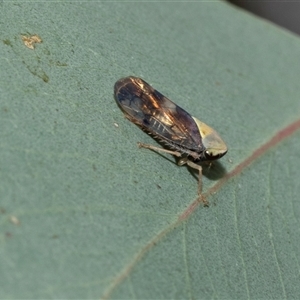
30,41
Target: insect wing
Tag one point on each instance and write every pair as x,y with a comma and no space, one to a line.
156,114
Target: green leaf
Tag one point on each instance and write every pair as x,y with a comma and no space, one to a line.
85,214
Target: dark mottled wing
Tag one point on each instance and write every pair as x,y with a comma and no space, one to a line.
156,114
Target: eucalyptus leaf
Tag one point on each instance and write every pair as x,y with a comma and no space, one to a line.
85,213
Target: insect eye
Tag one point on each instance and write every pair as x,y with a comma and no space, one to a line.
209,156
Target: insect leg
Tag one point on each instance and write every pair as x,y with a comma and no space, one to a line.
181,162
147,146
193,165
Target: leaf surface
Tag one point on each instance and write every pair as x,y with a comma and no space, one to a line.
85,214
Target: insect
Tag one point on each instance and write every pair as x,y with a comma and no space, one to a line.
185,136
